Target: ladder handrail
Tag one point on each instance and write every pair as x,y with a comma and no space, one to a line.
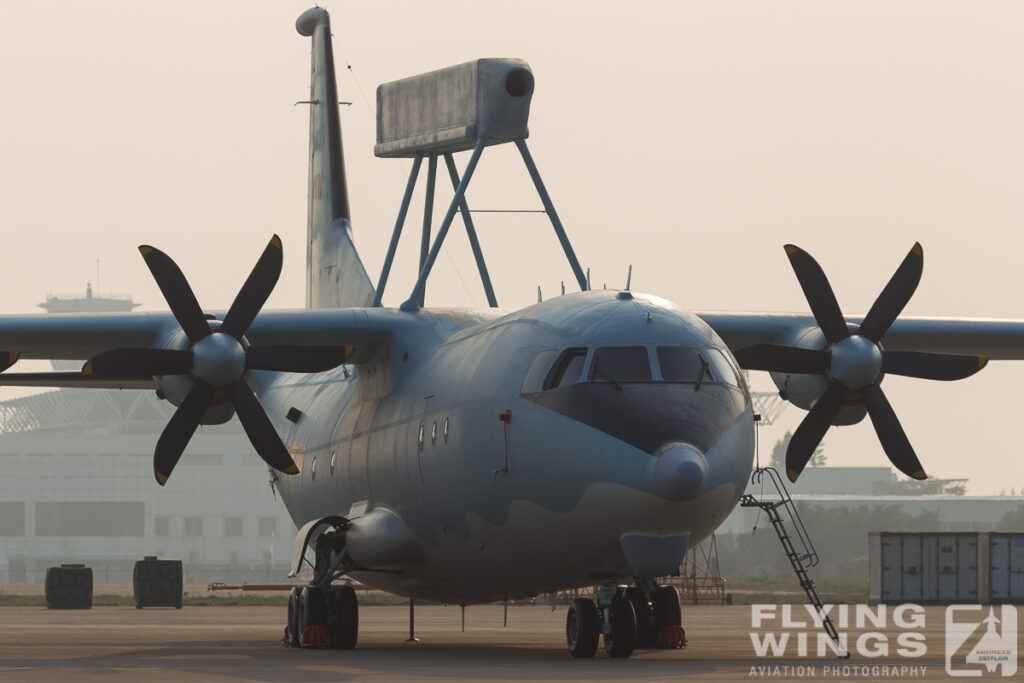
757,477
799,563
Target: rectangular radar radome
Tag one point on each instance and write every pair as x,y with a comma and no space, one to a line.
447,110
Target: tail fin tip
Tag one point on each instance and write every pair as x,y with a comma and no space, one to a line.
310,19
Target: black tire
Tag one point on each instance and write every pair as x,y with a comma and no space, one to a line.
582,628
293,634
621,641
665,601
312,608
646,634
345,608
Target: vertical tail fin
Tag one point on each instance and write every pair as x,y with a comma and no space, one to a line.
335,276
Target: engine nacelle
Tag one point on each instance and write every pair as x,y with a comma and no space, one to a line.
804,390
175,388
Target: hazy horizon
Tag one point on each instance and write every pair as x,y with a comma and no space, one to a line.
689,139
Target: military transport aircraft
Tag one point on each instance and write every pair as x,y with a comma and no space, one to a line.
472,456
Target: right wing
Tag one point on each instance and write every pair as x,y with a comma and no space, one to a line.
996,339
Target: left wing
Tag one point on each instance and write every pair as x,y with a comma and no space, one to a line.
84,336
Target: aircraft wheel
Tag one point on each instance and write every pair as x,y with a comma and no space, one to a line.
582,628
667,614
666,607
292,633
622,640
345,613
312,608
646,633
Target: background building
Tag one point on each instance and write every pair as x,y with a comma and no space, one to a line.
77,486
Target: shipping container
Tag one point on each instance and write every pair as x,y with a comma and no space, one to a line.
1006,568
924,568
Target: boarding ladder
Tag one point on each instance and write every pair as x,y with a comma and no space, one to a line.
801,553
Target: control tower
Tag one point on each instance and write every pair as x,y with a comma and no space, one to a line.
76,303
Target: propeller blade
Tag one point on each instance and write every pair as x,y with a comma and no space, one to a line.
296,358
777,358
140,361
179,430
941,366
894,297
890,432
8,358
255,291
177,292
819,294
812,430
258,428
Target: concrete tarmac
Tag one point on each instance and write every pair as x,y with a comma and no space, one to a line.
243,643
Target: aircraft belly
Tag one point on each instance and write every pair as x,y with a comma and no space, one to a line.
539,550
557,522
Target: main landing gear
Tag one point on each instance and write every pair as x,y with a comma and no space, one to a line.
643,616
322,618
321,615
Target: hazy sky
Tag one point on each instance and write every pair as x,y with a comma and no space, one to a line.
690,139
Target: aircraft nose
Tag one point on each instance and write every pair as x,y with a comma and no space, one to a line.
680,472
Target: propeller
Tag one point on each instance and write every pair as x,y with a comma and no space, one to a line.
854,363
217,360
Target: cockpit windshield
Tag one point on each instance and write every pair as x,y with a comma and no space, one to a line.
619,364
679,363
567,369
724,370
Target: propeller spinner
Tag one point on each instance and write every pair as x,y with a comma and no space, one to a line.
217,360
855,363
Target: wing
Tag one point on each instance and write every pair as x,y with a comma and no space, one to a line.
993,338
83,336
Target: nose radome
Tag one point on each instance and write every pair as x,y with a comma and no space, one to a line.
680,472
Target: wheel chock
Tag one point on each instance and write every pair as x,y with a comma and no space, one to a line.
672,637
316,637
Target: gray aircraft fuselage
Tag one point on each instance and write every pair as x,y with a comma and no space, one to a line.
416,432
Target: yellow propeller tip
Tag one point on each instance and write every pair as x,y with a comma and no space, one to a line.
144,249
919,475
790,248
291,469
982,361
13,356
917,249
161,478
275,242
87,368
793,474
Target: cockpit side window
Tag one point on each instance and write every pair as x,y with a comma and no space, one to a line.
538,369
723,368
567,369
620,364
680,363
